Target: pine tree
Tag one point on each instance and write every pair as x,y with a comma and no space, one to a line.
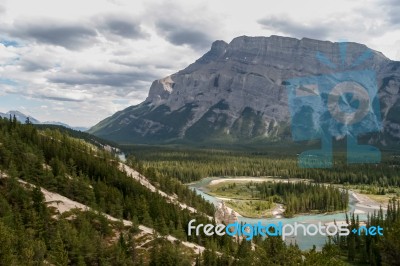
58,253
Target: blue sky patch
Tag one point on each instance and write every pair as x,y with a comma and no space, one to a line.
8,82
8,43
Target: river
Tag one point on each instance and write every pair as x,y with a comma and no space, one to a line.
304,242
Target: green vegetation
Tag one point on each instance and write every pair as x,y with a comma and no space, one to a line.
366,249
381,194
98,142
298,197
301,197
89,175
252,208
32,233
242,200
375,190
71,167
190,164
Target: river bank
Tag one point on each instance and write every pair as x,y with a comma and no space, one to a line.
359,205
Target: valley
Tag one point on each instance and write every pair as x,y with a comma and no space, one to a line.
199,133
147,190
360,204
234,126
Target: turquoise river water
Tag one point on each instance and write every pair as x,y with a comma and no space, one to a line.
304,242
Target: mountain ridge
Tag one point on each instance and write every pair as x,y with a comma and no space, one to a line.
236,92
21,117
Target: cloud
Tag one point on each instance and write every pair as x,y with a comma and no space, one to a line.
117,25
70,35
297,29
51,92
391,11
37,60
101,56
103,73
101,78
338,26
67,96
8,54
178,33
76,35
185,24
33,65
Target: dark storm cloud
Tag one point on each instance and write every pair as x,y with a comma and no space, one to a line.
77,35
296,29
122,26
73,36
181,33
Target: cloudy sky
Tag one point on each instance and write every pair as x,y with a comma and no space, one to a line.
80,61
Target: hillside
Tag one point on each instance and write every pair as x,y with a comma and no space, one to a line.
83,207
52,232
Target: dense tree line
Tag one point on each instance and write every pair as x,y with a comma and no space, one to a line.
270,251
188,165
367,249
298,197
301,197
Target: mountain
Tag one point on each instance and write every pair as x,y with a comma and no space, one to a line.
83,129
22,118
236,92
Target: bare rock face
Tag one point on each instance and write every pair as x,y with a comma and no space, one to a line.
236,92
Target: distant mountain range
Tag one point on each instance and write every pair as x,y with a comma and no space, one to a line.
236,92
22,118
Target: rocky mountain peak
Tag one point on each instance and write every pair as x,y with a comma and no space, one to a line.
236,90
218,48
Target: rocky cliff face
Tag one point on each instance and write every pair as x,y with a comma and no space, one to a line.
237,92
